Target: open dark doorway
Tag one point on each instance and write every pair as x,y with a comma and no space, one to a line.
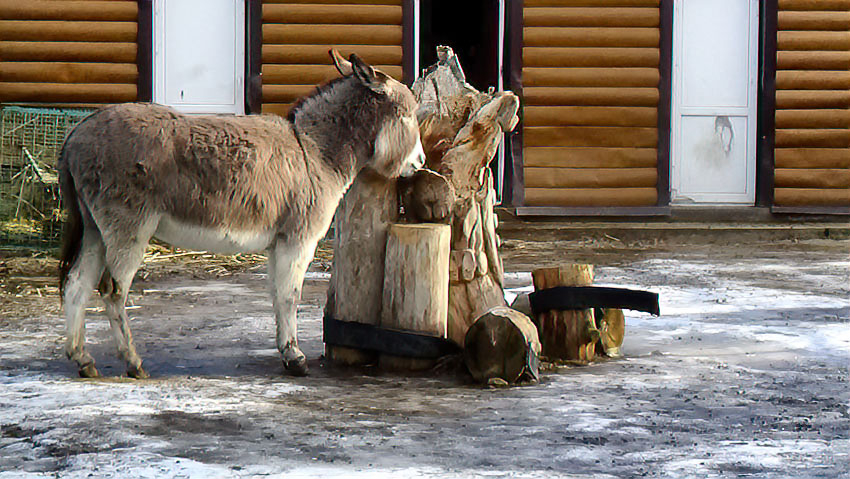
471,28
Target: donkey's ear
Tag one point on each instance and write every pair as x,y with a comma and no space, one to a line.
364,72
342,65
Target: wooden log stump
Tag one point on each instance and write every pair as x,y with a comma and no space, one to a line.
360,237
502,343
416,286
569,334
611,323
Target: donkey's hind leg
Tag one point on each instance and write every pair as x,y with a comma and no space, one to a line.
124,255
114,298
81,280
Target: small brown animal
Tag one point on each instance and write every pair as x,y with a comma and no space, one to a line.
226,184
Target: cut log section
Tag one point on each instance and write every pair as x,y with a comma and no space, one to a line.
611,324
360,226
416,285
502,343
569,334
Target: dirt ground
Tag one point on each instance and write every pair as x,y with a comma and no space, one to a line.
745,374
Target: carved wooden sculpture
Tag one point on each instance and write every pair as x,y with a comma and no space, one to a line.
461,129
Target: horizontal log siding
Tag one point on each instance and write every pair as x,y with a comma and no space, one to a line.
297,35
68,51
590,108
812,156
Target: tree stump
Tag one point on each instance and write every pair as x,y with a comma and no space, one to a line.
570,334
502,343
361,223
611,323
416,285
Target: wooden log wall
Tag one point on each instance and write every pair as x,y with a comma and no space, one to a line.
590,85
68,51
297,35
813,104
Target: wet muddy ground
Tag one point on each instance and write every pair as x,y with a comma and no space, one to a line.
745,374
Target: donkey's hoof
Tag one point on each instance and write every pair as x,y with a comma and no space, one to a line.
89,371
297,366
137,373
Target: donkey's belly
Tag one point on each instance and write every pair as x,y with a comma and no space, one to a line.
200,238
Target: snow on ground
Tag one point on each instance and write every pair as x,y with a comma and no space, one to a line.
745,374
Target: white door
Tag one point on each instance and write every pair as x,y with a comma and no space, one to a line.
199,55
713,137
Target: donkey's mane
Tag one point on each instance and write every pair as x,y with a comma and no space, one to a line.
318,91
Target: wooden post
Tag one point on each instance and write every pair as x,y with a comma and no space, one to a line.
567,334
502,343
360,237
416,285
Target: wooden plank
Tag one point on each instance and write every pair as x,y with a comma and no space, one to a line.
591,96
591,136
68,51
285,93
813,21
114,11
812,158
590,177
590,37
811,197
589,57
813,138
311,74
330,14
807,60
590,157
339,2
67,93
590,77
590,17
811,99
812,80
813,40
590,196
38,72
589,116
318,54
591,3
58,31
119,11
822,118
332,34
814,5
281,109
812,178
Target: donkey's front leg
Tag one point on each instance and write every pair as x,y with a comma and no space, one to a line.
288,262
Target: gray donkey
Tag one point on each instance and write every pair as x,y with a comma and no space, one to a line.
226,184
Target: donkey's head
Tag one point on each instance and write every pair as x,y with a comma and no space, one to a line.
397,150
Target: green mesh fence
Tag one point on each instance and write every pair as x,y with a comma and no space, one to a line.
30,210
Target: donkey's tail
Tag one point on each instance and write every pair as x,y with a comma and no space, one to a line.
73,238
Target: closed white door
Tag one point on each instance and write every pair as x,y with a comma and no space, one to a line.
199,55
715,69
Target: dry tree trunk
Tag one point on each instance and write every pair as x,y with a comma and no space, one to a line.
461,130
361,223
